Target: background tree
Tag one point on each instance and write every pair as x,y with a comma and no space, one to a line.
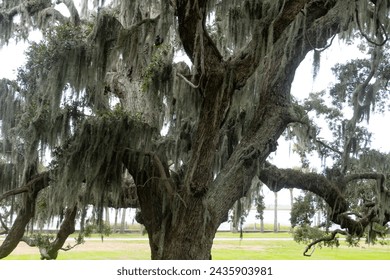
276,225
260,207
100,87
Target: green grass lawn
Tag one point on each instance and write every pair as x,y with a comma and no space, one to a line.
290,250
235,249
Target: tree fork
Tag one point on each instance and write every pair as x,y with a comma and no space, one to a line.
216,103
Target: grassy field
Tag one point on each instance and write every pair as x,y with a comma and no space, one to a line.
227,246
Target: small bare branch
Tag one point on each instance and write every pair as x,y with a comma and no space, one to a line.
70,247
323,48
328,147
328,238
41,179
187,81
14,192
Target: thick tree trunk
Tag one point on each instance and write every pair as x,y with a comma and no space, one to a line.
181,218
186,235
179,224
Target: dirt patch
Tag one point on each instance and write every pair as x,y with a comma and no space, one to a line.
88,246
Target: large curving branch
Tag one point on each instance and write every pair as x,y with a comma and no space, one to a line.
74,14
276,179
39,180
362,176
330,190
247,60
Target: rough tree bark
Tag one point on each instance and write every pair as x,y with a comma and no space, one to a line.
182,217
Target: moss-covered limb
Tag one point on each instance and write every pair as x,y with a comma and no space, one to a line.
235,178
248,59
14,192
272,114
36,183
127,197
198,45
26,10
286,16
74,14
311,29
67,227
55,15
151,193
146,166
277,179
327,146
48,245
213,113
361,176
330,190
94,156
15,7
16,232
52,14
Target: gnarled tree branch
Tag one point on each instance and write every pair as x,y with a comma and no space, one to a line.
328,238
330,190
16,232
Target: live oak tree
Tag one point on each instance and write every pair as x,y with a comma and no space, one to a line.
128,126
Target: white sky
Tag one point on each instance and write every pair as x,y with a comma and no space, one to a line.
11,57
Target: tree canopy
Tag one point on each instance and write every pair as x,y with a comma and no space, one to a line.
128,126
